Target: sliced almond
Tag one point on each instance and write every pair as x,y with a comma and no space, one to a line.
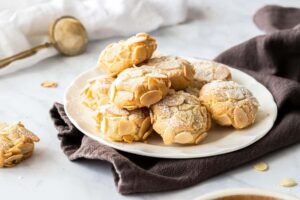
146,135
116,111
183,138
26,148
104,125
240,118
152,83
128,138
151,97
130,107
188,72
126,127
261,166
13,159
112,93
144,126
200,138
23,131
288,182
123,96
49,84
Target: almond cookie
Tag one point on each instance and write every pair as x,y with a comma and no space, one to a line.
180,118
118,56
96,91
139,87
207,71
179,71
229,103
122,125
16,144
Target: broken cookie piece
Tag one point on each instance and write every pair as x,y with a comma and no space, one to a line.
16,144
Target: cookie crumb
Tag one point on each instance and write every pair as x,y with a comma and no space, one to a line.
49,84
261,166
288,182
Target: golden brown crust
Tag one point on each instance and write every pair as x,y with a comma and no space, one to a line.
118,56
229,103
16,144
180,118
179,71
207,71
139,87
121,125
96,91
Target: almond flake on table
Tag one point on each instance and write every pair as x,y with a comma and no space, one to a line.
261,166
288,182
49,84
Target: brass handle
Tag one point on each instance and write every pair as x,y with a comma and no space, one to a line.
6,61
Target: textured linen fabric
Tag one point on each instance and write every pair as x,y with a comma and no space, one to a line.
273,59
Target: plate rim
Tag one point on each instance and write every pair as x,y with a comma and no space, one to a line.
117,145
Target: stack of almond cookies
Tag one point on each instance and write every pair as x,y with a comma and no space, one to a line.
144,93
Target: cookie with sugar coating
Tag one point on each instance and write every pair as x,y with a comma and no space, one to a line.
16,144
118,56
207,71
121,125
229,103
180,118
179,70
96,91
139,87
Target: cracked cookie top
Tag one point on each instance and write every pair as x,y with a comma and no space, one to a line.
118,56
180,118
229,103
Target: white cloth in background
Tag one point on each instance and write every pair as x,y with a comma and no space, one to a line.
28,27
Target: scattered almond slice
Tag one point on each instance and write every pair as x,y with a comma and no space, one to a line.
288,182
49,84
261,166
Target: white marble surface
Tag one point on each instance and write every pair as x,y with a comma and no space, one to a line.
213,26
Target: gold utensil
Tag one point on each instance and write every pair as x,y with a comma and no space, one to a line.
66,34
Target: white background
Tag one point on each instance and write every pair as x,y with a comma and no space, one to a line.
212,27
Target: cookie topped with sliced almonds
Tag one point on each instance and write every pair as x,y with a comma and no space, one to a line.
16,144
180,118
229,103
139,87
179,70
121,125
207,71
96,91
118,56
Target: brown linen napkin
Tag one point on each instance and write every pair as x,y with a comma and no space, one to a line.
273,59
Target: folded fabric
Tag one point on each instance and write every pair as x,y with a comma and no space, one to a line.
273,59
28,27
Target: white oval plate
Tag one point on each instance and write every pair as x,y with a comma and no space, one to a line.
220,140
